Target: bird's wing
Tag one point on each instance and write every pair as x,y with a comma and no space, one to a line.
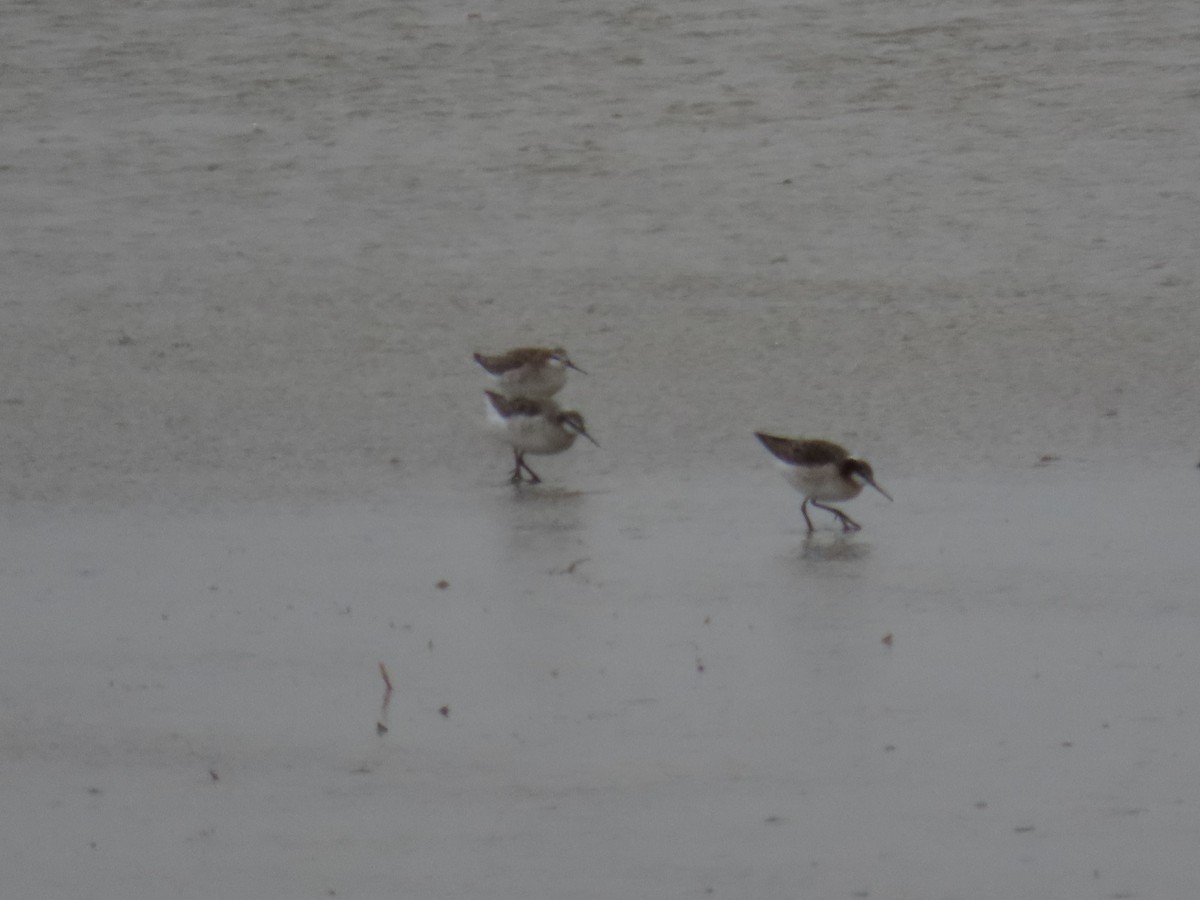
800,452
513,359
514,406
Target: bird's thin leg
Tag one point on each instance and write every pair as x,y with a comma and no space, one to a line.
804,512
533,476
848,524
517,463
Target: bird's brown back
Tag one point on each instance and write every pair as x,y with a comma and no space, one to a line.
804,452
515,406
514,359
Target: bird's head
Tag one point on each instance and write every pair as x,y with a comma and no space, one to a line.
572,422
559,355
860,470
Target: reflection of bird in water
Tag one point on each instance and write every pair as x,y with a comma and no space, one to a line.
821,470
536,372
533,426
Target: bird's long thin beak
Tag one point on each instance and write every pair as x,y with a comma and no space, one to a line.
878,488
571,365
589,437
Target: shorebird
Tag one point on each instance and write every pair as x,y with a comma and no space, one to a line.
536,372
821,470
533,426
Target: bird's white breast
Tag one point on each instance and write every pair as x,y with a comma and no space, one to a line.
531,434
820,483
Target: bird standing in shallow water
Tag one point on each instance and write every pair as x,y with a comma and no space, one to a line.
821,470
533,426
536,372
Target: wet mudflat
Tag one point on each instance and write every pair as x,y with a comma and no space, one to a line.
651,688
248,251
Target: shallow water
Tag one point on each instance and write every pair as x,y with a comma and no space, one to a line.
661,688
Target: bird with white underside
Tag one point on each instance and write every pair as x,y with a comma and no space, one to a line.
537,426
821,471
535,372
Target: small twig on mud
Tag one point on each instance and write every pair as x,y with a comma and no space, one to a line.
570,569
381,726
